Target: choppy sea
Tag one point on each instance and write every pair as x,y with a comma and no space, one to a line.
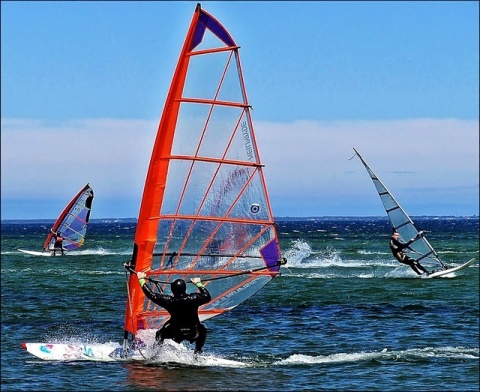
342,316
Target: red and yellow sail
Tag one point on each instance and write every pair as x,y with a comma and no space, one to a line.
205,210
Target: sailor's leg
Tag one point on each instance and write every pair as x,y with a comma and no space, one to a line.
413,265
420,267
160,334
415,269
201,338
166,332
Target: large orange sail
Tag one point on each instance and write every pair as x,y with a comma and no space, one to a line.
205,210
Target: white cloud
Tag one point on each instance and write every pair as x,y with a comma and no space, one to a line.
308,170
309,161
42,159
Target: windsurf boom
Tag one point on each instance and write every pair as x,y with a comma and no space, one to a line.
205,210
401,222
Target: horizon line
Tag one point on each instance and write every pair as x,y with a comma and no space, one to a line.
279,218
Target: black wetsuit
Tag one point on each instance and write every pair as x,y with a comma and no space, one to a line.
184,323
397,249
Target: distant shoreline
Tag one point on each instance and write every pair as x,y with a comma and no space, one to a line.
277,219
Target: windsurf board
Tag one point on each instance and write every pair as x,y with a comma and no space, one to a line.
46,253
109,352
436,274
70,351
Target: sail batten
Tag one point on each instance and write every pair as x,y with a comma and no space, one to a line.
402,223
214,102
213,50
205,209
213,160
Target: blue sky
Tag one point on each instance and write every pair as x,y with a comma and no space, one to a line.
83,86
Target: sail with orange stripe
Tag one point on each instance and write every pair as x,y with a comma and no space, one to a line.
205,209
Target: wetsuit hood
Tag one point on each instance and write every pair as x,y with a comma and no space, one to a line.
178,287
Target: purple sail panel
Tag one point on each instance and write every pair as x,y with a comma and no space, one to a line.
271,256
206,21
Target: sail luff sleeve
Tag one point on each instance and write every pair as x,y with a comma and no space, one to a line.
145,236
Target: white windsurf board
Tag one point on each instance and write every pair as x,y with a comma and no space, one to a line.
46,253
109,352
436,274
71,351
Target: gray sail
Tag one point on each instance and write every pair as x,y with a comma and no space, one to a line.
421,249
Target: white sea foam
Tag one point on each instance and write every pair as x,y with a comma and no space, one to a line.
384,354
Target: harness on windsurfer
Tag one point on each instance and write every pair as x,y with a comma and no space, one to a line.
184,323
398,250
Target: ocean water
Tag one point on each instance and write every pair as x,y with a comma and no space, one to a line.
342,316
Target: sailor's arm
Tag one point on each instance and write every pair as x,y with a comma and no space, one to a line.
155,297
203,291
412,240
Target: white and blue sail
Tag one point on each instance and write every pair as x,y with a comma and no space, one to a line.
422,251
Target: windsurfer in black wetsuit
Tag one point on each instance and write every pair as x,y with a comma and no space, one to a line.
58,245
397,247
184,323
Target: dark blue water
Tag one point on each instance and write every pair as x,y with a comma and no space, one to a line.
343,315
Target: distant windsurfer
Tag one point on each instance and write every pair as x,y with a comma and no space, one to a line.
398,249
58,245
184,323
